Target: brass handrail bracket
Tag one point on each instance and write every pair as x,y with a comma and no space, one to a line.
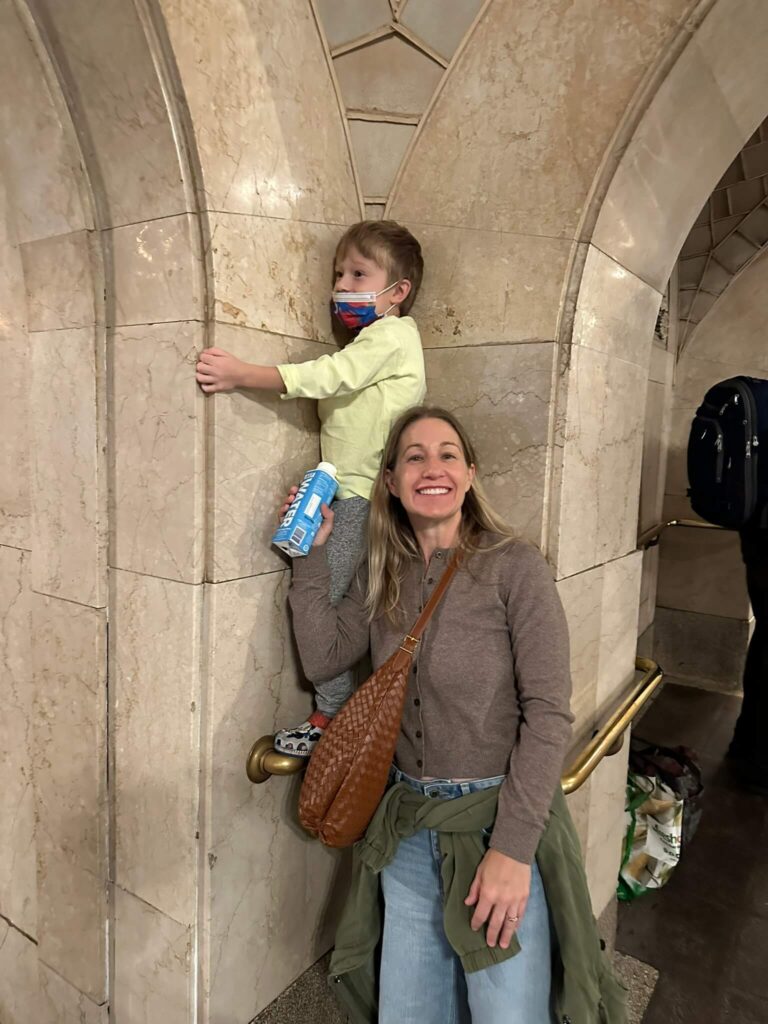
263,761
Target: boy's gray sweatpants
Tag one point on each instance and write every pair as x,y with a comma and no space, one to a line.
344,549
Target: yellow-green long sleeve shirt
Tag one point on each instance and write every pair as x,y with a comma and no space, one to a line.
361,390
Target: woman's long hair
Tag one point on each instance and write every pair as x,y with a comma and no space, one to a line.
392,543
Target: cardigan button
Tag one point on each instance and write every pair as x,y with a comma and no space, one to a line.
418,734
419,764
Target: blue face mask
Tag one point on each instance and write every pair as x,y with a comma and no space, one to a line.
358,309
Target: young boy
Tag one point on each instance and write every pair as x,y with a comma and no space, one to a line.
362,389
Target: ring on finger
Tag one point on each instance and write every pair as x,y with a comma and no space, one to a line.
513,919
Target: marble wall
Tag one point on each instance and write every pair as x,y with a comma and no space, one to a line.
178,179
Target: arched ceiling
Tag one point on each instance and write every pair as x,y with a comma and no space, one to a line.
728,234
389,57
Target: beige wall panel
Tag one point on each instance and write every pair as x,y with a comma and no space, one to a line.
733,41
600,481
63,1004
655,448
153,964
157,413
155,715
18,883
379,147
582,597
707,651
389,74
261,446
270,885
442,26
501,393
274,275
344,20
40,162
648,587
61,276
69,549
157,271
15,471
516,137
484,287
702,571
120,107
673,165
20,997
267,122
618,629
69,659
616,311
607,826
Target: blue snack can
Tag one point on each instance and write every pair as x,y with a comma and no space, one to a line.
303,519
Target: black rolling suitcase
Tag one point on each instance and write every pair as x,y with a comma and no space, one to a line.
728,454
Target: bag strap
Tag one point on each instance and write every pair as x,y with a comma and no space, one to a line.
411,640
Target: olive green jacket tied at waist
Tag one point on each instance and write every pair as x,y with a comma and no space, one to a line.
584,989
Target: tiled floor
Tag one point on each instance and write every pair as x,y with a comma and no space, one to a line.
707,930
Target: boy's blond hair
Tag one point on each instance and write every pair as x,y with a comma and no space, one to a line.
390,245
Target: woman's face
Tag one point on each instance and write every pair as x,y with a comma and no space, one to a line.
431,475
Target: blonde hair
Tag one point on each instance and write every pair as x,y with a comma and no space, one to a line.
392,544
392,247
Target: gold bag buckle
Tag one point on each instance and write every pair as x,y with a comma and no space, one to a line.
409,648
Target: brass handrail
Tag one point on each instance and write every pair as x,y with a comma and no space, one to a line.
263,760
608,740
650,537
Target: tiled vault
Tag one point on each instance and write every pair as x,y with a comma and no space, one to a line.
390,58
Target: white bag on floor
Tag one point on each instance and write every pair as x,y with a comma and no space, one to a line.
654,836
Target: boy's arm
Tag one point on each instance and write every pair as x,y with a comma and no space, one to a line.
364,362
218,370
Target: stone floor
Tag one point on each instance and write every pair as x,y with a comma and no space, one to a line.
707,930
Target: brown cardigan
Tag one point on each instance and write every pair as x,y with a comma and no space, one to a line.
489,692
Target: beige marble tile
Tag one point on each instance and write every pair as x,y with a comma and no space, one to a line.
344,20
442,26
662,366
69,499
501,393
390,75
648,587
655,448
618,629
18,883
606,828
616,311
155,716
64,1004
153,964
578,806
261,446
379,148
20,996
268,127
734,331
69,661
701,650
274,275
37,147
270,886
582,597
485,287
733,41
15,472
702,571
158,455
595,515
122,108
518,132
158,271
62,279
667,171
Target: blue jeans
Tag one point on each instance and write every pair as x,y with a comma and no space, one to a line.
422,980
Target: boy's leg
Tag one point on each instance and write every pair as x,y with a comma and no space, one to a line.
344,548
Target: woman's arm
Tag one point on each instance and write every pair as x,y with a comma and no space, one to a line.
330,638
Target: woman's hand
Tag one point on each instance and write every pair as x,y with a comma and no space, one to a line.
499,894
218,370
324,532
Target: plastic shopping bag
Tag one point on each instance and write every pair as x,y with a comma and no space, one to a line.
654,836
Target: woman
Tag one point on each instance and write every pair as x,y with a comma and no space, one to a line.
487,707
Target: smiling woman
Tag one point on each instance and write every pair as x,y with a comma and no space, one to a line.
465,878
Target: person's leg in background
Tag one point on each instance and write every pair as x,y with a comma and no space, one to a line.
344,548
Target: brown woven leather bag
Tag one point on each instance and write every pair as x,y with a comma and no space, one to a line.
347,773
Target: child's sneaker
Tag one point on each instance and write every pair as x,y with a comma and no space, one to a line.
301,741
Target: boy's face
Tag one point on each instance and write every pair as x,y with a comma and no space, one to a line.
356,273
